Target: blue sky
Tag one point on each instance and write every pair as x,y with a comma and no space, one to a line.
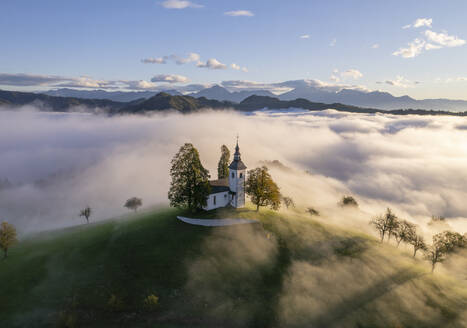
102,43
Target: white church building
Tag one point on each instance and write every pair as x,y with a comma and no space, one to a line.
229,191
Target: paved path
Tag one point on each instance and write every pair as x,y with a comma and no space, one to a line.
215,222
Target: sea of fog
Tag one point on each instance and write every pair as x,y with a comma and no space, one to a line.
52,165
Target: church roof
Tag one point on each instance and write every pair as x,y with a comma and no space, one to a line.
220,185
237,165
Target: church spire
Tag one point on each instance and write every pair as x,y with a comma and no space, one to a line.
237,151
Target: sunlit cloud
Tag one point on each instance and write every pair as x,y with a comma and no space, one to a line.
235,13
212,63
179,4
239,68
170,78
400,82
420,22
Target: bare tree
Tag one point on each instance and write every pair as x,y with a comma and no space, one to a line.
133,203
7,237
385,224
418,243
404,232
288,202
86,213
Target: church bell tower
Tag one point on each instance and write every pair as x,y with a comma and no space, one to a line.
237,172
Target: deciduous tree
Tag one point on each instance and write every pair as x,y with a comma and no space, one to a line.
385,224
262,189
288,201
133,203
404,231
86,213
443,244
348,201
189,187
7,237
418,243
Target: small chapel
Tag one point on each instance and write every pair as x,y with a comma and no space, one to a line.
229,191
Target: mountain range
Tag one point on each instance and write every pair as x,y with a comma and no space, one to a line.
354,97
186,104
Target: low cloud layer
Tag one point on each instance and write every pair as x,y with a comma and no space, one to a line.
58,163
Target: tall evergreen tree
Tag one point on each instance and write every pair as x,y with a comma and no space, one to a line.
263,191
223,165
190,180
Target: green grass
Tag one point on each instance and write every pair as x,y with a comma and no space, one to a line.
227,276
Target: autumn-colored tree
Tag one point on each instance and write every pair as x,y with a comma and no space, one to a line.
133,203
190,180
86,213
262,189
7,237
223,165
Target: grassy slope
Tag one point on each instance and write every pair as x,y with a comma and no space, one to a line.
72,273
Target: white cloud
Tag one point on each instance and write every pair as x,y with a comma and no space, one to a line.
30,79
400,82
451,79
170,78
414,49
158,60
352,73
375,46
333,42
105,160
337,76
444,39
235,13
140,85
238,68
433,41
305,36
179,4
281,87
212,63
191,57
420,22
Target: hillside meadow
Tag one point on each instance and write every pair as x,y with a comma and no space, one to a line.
287,270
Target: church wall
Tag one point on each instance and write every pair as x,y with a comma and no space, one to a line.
222,200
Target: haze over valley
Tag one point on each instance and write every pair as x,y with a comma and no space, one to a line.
219,164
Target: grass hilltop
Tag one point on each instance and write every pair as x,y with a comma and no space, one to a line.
289,270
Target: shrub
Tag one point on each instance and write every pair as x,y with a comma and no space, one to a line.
66,319
348,201
312,211
151,302
115,303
